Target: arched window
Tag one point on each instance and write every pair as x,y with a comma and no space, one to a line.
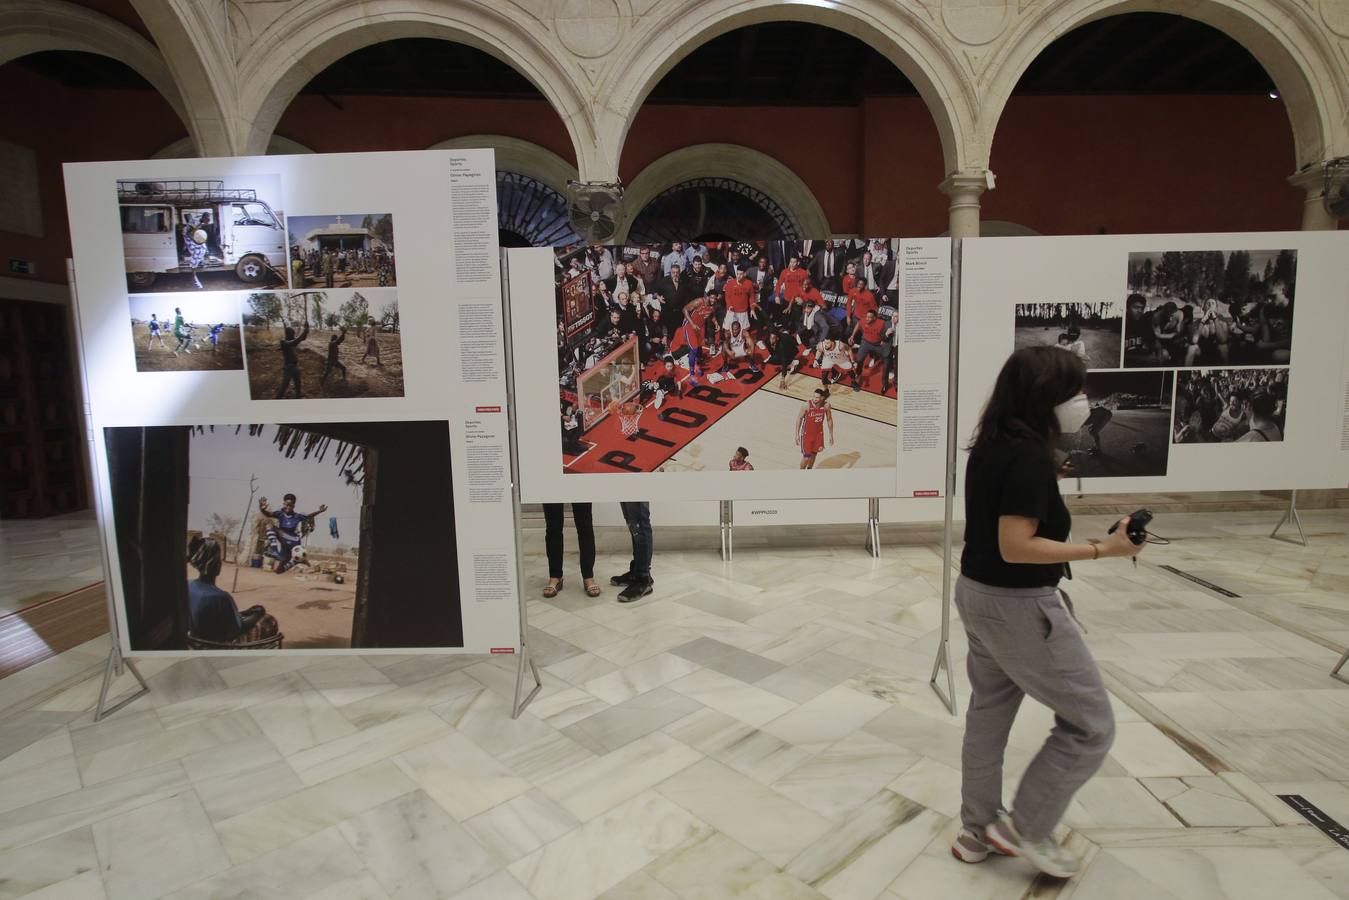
712,209
531,214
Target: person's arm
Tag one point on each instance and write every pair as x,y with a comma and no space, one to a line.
323,508
342,335
1266,342
796,432
829,417
1018,543
852,338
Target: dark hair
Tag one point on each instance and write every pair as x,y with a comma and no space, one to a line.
290,497
1136,298
205,555
742,451
1032,382
1262,404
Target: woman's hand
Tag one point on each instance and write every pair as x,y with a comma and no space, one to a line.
1118,542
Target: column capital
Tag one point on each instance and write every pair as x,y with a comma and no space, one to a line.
969,184
1311,178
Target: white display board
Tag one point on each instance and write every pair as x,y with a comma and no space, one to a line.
684,441
384,263
1228,373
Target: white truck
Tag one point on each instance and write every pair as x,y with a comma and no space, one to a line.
243,232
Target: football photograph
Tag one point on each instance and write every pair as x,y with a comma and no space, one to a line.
727,356
1188,308
1091,330
1126,432
286,537
1224,406
195,333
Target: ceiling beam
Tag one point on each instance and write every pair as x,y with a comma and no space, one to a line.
805,73
1108,78
1077,47
744,62
1185,63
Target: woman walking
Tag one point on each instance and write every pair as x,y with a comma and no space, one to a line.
1022,638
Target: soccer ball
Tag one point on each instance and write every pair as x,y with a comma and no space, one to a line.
199,236
299,557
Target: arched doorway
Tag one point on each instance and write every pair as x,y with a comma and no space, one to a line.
711,209
531,214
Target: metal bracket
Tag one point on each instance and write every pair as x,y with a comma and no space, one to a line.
1290,514
111,673
727,518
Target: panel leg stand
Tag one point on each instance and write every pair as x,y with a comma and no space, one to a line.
110,674
1290,515
727,530
1335,672
943,661
874,527
526,662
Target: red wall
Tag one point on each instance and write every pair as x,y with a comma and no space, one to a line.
1065,165
61,126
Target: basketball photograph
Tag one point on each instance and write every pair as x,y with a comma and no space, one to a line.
727,356
195,333
1188,308
202,234
1127,431
354,250
1090,329
1224,406
286,537
314,345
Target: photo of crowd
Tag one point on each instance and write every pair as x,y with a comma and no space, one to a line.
1126,430
307,345
286,537
1231,406
193,333
711,314
1188,308
1089,329
354,250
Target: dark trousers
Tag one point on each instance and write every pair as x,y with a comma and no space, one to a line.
638,517
289,374
585,537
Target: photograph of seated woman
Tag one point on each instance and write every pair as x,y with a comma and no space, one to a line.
211,612
1022,638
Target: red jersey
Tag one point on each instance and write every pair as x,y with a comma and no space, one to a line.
860,302
813,296
739,295
812,429
738,465
789,282
848,282
875,332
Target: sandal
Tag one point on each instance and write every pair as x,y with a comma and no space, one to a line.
592,589
550,590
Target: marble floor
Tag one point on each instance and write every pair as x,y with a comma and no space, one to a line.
44,558
760,729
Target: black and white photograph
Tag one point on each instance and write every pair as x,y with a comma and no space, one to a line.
313,345
1225,406
203,234
1191,308
1127,430
286,537
192,333
1089,329
351,250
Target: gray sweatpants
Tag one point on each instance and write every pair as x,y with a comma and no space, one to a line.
1023,641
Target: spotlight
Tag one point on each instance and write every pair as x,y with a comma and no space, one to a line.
1274,95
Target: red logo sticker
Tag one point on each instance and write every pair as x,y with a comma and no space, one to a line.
487,409
927,493
503,650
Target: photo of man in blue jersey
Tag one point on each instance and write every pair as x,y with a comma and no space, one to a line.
290,528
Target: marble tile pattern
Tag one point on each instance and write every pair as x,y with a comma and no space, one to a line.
747,732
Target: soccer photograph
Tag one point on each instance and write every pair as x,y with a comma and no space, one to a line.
1127,431
1188,308
1089,329
202,234
354,250
1224,406
286,537
727,356
193,333
314,345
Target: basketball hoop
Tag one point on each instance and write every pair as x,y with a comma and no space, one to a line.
628,413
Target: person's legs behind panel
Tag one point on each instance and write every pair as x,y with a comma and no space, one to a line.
637,582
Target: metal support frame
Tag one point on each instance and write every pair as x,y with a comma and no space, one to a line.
116,661
1291,514
943,660
1335,672
727,517
526,661
874,527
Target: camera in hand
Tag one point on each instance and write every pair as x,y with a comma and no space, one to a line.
1137,528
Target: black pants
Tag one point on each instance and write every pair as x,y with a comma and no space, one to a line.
585,537
289,374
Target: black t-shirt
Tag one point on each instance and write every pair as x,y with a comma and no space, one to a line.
1011,478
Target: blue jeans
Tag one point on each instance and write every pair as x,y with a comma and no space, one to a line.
638,517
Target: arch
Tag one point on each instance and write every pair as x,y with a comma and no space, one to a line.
743,164
1295,51
33,26
520,156
306,39
186,148
898,32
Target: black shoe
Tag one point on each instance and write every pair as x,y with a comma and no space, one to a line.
622,580
636,590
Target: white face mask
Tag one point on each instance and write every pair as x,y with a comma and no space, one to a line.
1072,413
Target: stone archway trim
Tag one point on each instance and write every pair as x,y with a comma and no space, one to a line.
519,156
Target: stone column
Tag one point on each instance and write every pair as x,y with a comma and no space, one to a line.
1312,180
964,189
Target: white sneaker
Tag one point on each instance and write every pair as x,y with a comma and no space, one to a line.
969,849
1045,854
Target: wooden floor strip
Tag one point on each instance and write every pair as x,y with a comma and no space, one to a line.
43,630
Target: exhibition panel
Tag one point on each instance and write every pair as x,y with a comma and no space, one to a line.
731,369
1215,361
297,397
